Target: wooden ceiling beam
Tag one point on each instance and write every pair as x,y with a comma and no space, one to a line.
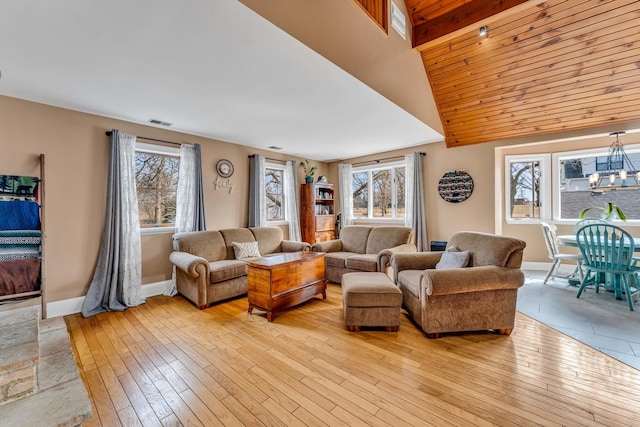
463,16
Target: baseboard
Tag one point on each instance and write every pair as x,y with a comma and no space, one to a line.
64,307
153,289
536,266
545,266
74,305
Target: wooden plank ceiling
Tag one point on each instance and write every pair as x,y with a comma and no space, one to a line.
545,67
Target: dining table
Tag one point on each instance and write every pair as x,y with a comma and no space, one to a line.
571,240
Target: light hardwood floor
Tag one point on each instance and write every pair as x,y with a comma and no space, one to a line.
167,363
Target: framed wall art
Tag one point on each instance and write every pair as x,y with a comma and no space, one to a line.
455,186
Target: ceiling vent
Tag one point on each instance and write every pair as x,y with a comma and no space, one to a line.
273,147
398,21
160,122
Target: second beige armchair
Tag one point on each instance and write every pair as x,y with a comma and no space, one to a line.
364,248
479,295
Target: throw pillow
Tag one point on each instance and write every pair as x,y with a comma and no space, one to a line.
453,259
245,250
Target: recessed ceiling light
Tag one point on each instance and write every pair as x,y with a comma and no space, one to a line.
483,31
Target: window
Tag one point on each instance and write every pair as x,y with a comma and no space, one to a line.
156,170
526,187
557,187
376,10
572,191
274,192
378,192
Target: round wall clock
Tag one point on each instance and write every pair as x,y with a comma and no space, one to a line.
224,168
455,186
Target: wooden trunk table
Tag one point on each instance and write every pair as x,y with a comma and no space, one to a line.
284,280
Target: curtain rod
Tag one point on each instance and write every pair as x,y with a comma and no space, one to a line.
268,158
108,133
386,158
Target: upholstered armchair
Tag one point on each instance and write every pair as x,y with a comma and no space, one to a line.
480,295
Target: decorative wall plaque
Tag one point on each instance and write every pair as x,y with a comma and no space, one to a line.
224,168
455,186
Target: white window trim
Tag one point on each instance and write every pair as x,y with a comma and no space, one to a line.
281,167
545,190
157,230
157,149
379,166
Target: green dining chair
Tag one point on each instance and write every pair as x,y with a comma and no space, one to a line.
588,221
607,251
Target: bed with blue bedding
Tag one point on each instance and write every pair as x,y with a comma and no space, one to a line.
20,235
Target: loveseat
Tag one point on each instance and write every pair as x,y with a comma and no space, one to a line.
478,293
363,248
207,270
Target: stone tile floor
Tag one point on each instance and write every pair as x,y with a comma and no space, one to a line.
598,320
60,399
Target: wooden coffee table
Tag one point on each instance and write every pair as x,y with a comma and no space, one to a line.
285,280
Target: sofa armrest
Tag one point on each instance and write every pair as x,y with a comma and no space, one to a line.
384,256
328,246
415,260
293,246
470,279
191,264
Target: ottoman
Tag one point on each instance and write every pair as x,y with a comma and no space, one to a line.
370,299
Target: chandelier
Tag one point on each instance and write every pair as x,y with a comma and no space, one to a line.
614,168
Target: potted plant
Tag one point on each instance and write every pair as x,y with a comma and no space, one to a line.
309,170
609,211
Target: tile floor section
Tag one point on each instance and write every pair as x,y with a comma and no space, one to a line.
598,320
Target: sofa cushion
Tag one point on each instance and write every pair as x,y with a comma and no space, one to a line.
227,269
245,250
367,262
354,238
240,235
453,259
410,280
269,239
337,259
206,244
382,238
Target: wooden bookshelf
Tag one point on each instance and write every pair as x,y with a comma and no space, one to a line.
317,212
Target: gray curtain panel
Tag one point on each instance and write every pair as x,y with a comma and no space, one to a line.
257,209
199,217
116,280
415,216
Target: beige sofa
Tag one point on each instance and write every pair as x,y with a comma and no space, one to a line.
363,248
480,296
206,268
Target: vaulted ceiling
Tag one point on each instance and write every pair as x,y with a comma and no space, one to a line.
545,66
